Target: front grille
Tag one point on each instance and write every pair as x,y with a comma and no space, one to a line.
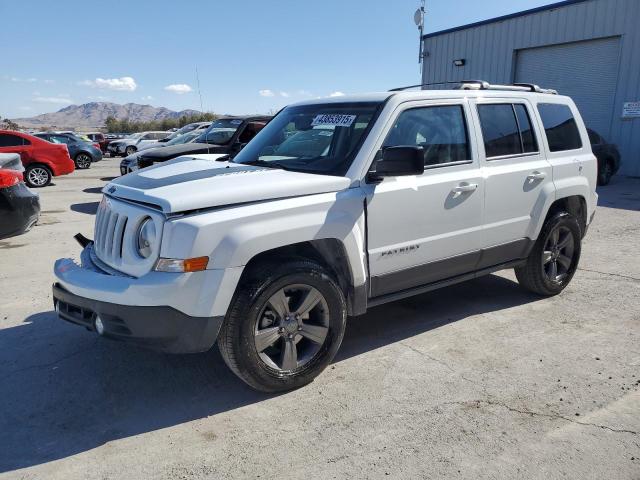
109,232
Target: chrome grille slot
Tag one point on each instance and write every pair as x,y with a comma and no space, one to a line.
111,227
118,232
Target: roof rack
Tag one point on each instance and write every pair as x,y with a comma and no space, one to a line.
517,87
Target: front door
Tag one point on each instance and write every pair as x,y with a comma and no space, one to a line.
426,228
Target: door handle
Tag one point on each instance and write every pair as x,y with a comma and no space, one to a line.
533,176
465,188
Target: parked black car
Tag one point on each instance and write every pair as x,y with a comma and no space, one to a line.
608,157
225,135
19,206
82,153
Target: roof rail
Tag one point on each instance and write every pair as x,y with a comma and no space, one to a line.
517,87
400,89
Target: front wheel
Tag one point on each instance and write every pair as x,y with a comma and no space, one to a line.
129,151
554,258
605,173
284,326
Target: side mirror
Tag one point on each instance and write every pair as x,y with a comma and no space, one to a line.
399,161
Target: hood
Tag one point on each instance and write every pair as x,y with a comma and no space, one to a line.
173,151
187,184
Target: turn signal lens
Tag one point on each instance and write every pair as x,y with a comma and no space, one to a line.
180,266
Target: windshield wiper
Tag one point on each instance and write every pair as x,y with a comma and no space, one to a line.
266,163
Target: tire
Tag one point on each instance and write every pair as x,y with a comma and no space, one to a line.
554,258
37,176
605,173
253,323
82,161
130,150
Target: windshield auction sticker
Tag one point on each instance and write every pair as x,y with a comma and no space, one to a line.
333,120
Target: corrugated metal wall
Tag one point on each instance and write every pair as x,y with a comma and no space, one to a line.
490,51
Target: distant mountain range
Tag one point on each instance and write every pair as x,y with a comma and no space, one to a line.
94,115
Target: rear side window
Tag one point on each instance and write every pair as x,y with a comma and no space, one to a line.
8,140
529,143
560,127
506,129
440,130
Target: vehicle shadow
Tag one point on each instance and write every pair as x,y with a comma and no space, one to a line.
64,391
93,190
90,208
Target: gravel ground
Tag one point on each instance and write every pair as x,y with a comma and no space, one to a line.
479,380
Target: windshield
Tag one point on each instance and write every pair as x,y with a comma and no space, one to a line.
220,132
135,135
184,138
320,138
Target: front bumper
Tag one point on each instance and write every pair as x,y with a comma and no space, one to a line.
172,312
160,328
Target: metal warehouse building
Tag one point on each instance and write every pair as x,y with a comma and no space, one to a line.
587,49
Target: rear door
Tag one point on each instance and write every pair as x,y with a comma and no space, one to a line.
422,229
516,173
10,143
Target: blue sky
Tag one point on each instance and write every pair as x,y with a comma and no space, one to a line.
252,56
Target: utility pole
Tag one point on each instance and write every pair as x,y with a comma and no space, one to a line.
199,93
418,18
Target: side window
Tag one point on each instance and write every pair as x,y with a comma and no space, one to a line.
8,140
560,127
60,139
499,130
529,143
440,130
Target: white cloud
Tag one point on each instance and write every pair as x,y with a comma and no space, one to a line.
336,94
304,93
179,88
31,80
127,84
147,98
284,94
266,93
58,100
49,81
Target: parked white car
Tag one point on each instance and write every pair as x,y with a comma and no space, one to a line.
133,143
193,130
392,194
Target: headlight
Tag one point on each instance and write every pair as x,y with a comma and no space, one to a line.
146,237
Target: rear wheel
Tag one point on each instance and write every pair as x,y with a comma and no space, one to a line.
37,176
554,258
83,161
284,326
605,172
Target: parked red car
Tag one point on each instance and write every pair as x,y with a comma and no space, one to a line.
42,160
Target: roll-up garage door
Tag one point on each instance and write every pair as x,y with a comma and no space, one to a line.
586,71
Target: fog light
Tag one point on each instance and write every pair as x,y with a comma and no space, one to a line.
99,325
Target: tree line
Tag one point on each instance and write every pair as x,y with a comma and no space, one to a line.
113,125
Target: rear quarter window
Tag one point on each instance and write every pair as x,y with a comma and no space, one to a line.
560,127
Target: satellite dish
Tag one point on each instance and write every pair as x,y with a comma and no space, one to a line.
417,17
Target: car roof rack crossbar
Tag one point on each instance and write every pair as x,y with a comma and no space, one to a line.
517,87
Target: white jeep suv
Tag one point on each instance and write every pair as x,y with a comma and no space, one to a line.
337,205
